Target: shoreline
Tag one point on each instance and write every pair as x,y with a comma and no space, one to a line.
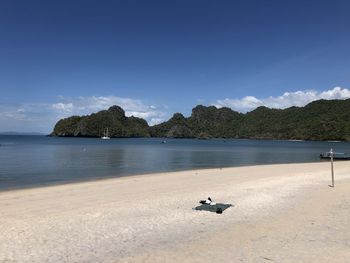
276,210
113,177
63,162
186,138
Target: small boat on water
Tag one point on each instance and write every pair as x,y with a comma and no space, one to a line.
105,135
336,156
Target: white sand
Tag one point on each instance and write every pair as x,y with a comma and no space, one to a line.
281,213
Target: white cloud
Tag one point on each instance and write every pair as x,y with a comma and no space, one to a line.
11,113
154,121
288,99
26,117
43,116
63,107
86,105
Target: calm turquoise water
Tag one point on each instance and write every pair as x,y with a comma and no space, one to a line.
27,161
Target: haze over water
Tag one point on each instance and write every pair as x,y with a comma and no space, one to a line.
28,161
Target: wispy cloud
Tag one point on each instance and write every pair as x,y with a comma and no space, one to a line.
26,117
288,99
86,105
43,116
8,112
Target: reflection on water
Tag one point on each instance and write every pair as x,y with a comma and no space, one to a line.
38,160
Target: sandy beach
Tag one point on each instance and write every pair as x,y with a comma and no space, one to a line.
280,213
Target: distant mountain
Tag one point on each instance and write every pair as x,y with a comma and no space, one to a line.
93,125
21,133
204,122
319,120
176,127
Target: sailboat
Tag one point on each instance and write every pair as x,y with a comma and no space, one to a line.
105,135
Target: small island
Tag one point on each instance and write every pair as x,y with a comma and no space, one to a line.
319,120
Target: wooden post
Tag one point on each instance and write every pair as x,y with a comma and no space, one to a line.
332,170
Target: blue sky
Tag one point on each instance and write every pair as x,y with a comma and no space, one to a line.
154,58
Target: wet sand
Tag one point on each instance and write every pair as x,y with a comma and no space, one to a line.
280,213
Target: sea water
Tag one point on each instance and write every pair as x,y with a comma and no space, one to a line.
29,161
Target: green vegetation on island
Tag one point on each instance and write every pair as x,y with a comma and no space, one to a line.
95,124
319,120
